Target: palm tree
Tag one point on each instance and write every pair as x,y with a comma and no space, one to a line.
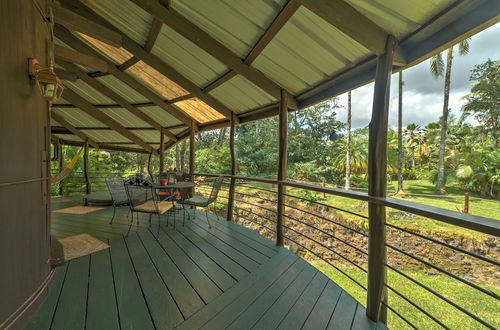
437,70
348,145
413,135
400,135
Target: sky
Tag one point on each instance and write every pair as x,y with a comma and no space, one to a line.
422,93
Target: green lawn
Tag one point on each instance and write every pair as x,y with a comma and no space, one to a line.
487,308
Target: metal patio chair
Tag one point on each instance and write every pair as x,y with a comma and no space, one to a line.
116,188
201,201
142,199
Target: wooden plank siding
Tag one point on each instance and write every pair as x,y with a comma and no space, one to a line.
191,277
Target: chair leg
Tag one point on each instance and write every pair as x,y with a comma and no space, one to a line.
206,215
159,223
130,225
114,211
150,215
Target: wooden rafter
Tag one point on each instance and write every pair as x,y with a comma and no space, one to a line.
212,46
116,98
88,108
75,22
280,20
155,62
73,129
65,75
72,56
153,35
72,41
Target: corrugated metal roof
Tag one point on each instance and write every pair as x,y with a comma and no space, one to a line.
101,135
77,117
160,116
236,24
305,52
240,94
68,137
122,89
148,135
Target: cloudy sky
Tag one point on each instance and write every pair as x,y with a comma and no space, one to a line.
422,94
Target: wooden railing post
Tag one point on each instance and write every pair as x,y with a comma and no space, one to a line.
61,166
161,152
230,201
88,185
282,164
191,150
377,182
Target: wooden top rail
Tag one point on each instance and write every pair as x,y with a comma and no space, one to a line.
481,224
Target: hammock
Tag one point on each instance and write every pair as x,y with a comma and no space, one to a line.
67,170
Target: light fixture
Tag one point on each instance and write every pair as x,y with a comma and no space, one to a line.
48,83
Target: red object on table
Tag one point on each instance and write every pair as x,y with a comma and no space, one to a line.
163,182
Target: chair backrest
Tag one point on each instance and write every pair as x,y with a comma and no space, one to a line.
137,194
215,189
116,188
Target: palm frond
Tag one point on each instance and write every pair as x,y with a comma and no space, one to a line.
464,47
437,65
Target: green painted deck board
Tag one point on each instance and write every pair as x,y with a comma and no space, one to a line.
205,287
344,312
162,306
227,249
323,309
260,305
228,264
132,307
43,318
272,317
101,306
237,242
298,314
72,305
192,277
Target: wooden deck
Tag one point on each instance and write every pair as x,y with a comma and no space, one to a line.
192,277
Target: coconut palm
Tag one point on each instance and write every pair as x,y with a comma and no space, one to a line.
348,145
438,68
414,138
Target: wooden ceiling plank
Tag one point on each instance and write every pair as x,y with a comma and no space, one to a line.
115,97
75,22
74,42
73,129
72,56
88,108
212,46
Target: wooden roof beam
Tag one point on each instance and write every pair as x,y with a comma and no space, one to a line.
115,97
81,46
72,56
212,46
75,22
279,21
155,62
65,75
73,129
351,22
88,108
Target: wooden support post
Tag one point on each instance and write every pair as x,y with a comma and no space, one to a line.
150,171
61,166
377,184
88,185
230,201
162,152
191,151
282,164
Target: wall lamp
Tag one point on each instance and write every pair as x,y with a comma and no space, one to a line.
48,83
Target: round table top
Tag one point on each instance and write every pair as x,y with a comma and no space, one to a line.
178,185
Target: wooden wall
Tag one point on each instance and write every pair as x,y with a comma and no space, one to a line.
24,214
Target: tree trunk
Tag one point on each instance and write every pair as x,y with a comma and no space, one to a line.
348,145
440,184
142,162
400,135
222,136
183,155
177,158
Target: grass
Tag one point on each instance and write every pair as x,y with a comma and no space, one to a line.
474,301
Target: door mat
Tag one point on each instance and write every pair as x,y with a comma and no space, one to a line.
79,209
75,246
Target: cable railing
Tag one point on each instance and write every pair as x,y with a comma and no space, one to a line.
313,227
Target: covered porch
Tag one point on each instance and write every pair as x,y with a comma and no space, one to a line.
191,277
